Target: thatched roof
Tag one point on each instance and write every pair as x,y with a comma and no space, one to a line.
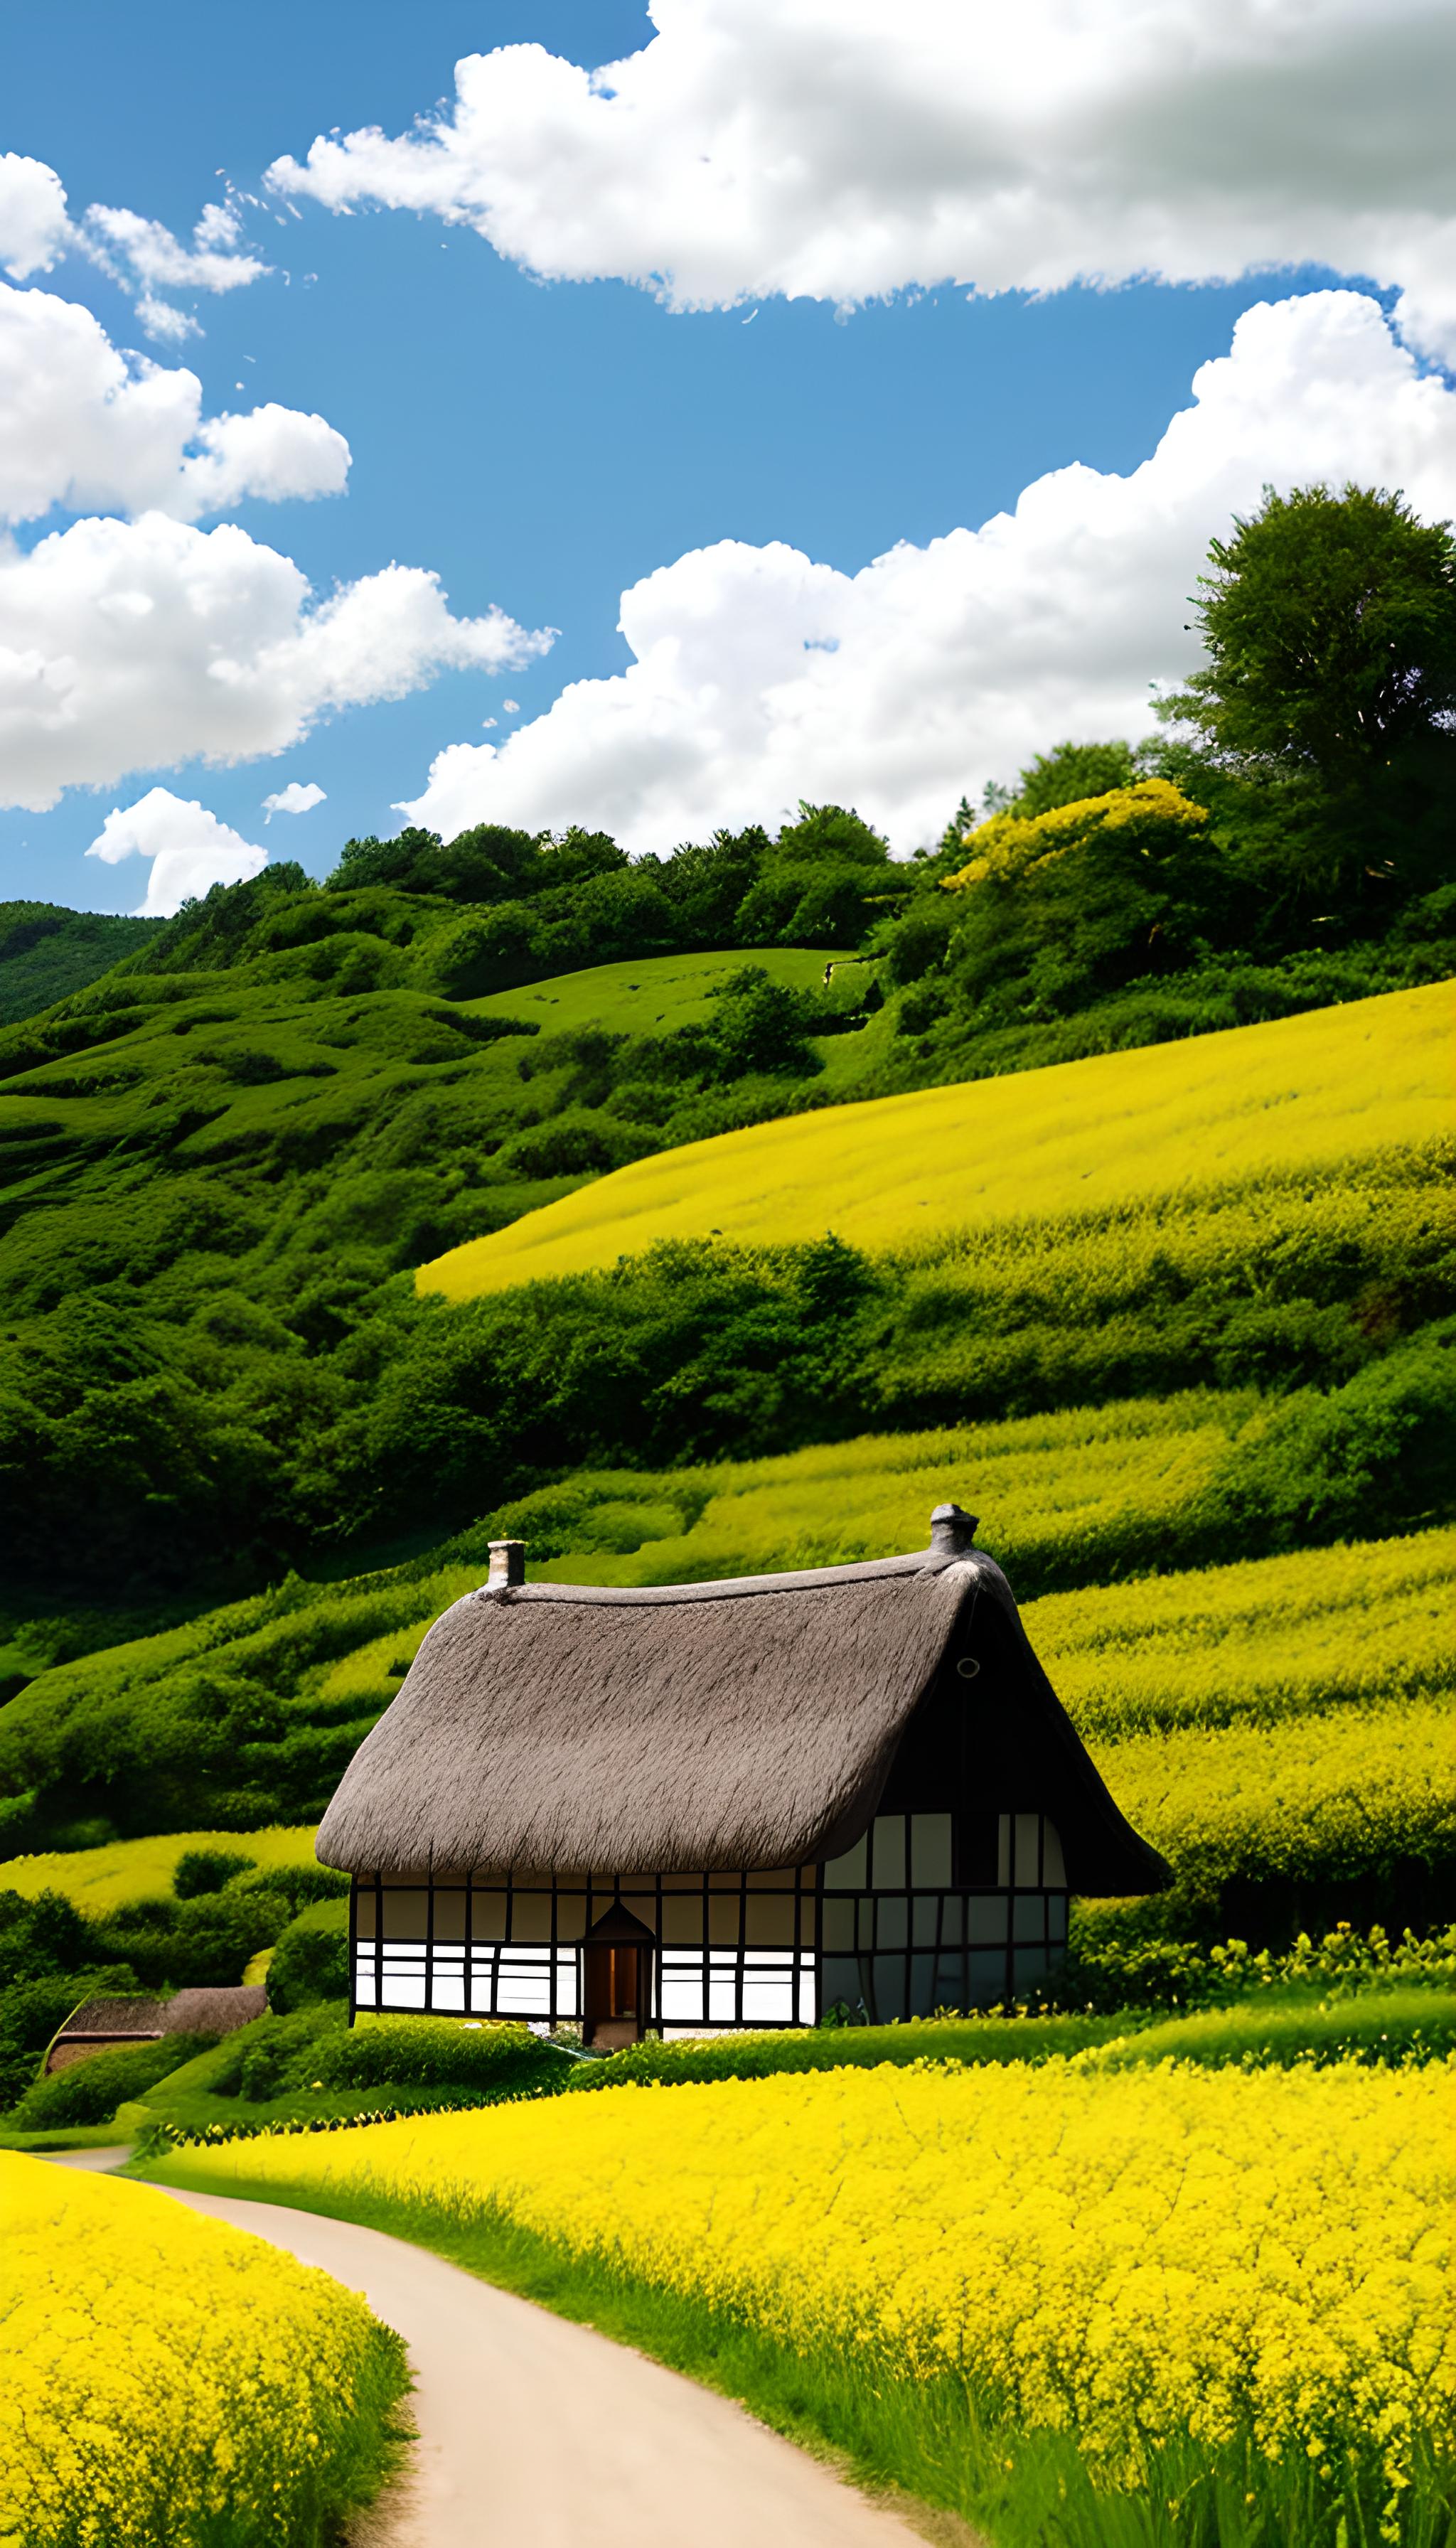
558,1729
187,2012
215,2012
120,2020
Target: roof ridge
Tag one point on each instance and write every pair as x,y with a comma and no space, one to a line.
724,1587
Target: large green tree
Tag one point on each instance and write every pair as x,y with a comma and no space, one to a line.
1330,628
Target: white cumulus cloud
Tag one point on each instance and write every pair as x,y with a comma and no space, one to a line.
190,850
300,796
34,229
762,677
143,256
82,424
138,645
842,149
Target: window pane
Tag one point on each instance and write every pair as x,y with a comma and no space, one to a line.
975,1850
889,1988
770,1919
1028,1848
986,1979
1003,1849
848,1874
1053,1865
1056,1918
893,1929
406,1909
953,1920
530,1916
887,1864
930,1849
838,1927
924,1909
1029,1913
985,1920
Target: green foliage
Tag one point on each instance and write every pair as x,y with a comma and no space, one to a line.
437,2053
311,1962
46,953
1385,2028
1069,772
1331,625
31,2011
207,1871
90,2091
761,2056
160,1942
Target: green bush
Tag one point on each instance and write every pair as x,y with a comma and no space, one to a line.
437,2053
207,1871
839,2048
89,2092
310,1961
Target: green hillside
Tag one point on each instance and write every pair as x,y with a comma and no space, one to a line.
46,953
1299,1094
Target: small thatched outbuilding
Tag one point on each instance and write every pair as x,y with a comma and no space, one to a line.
115,2024
724,1804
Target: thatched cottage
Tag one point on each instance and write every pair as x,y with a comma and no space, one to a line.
724,1804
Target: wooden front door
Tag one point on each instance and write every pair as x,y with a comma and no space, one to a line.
616,1980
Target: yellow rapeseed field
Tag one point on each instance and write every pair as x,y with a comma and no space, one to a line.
164,2374
1335,1795
1305,1091
1132,2257
1349,1626
98,1880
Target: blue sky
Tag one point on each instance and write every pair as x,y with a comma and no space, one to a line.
542,446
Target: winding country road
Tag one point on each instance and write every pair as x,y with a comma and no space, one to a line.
536,2432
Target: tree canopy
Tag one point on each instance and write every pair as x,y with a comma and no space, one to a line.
1331,627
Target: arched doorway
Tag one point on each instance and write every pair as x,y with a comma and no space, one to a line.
616,1979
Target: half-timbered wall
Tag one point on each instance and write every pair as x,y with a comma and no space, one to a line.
927,1911
733,1949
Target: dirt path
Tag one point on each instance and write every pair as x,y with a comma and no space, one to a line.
536,2434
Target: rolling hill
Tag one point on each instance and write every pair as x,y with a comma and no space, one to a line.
1296,1093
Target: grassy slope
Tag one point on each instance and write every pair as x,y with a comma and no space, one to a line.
650,995
1308,1091
46,952
102,1879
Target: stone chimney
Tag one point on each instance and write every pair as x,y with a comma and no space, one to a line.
952,1532
507,1564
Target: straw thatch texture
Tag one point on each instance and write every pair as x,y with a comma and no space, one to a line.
132,2020
552,1729
556,1729
215,2012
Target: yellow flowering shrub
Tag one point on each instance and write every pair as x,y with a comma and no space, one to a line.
1012,845
1132,2257
166,2377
